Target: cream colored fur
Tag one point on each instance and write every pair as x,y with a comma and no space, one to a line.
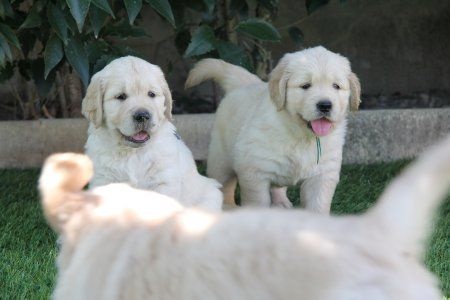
163,163
122,243
260,136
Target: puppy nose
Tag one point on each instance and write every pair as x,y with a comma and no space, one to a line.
324,106
141,116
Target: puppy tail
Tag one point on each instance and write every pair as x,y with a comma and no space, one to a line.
405,210
62,179
228,76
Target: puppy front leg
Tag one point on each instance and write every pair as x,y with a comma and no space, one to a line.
279,197
254,193
317,192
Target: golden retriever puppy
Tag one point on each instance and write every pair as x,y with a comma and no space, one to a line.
132,140
271,135
122,243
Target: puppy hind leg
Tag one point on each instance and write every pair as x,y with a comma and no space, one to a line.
279,197
228,190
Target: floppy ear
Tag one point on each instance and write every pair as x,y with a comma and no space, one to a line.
167,99
355,91
278,84
92,105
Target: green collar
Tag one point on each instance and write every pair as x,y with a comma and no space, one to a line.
319,149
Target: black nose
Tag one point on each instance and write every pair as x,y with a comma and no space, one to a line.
141,116
324,106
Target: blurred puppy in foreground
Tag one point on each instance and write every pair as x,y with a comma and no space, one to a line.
151,247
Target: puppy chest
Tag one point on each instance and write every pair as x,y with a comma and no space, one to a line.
298,164
294,171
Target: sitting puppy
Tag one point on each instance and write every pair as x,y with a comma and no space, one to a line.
132,140
291,130
149,247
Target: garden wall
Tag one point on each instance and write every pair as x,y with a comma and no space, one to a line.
373,136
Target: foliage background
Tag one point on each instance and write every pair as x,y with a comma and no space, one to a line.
53,44
46,46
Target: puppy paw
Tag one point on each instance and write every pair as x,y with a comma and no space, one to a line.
229,206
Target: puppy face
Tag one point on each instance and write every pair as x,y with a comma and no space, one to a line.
130,97
316,87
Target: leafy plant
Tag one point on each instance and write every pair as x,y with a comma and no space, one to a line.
235,31
48,41
53,44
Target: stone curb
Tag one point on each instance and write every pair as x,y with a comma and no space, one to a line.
373,136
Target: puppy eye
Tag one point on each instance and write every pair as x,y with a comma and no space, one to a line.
121,97
306,86
336,86
151,94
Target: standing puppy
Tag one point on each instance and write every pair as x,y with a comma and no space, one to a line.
132,140
271,135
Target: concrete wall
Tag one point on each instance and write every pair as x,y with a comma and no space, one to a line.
373,136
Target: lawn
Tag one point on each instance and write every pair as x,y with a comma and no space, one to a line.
28,249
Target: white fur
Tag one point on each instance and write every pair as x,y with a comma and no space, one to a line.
260,136
164,163
123,243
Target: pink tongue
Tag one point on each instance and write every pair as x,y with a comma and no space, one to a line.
140,136
321,127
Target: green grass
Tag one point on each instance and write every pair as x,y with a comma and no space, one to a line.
28,248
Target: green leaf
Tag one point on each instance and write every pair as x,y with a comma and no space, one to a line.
79,10
104,5
124,30
71,24
57,20
233,54
33,18
259,29
102,62
6,9
32,21
296,35
97,18
230,52
312,5
78,59
164,9
133,8
9,35
96,49
203,41
53,54
210,4
4,47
